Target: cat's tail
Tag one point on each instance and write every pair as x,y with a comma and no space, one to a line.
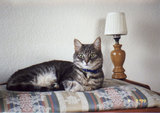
5,83
22,87
27,87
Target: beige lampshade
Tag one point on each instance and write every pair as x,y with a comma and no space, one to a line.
115,24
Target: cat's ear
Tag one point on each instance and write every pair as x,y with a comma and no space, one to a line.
77,45
97,43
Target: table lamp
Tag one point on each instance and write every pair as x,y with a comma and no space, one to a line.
116,26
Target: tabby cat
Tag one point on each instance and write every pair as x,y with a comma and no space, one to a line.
83,74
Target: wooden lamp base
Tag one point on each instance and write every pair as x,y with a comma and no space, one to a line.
118,58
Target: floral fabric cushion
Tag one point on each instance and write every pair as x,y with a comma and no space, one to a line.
115,94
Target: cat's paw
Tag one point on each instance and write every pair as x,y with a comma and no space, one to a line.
67,85
88,88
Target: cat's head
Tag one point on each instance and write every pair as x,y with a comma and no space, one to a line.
88,56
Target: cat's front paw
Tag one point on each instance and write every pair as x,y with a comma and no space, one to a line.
73,86
88,89
67,85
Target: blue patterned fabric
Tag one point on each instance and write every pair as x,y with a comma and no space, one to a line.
114,95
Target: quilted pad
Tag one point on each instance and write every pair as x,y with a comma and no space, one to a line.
115,94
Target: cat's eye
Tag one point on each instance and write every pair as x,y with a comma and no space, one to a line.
93,55
81,56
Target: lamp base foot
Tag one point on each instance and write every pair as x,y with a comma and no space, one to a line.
119,76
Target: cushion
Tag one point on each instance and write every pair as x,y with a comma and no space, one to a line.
115,94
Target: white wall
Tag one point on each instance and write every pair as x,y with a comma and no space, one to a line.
34,31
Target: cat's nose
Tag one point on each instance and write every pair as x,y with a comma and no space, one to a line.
86,60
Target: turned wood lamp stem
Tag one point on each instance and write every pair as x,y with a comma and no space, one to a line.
116,26
118,58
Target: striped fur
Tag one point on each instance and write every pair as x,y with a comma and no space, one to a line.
63,75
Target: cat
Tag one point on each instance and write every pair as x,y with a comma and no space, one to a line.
83,74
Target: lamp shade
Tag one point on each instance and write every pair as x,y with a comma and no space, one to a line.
115,24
